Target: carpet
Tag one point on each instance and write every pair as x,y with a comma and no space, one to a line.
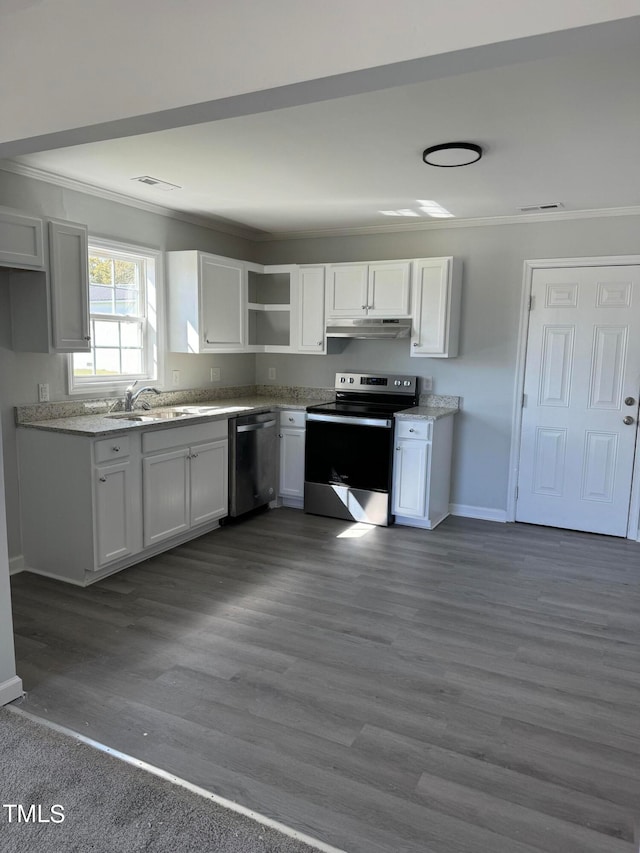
58,794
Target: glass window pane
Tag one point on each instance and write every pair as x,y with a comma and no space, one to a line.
131,361
126,301
107,362
130,335
126,272
105,334
82,364
100,270
101,299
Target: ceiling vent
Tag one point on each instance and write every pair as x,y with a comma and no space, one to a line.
533,208
157,183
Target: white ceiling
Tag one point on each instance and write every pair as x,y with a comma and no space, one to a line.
565,128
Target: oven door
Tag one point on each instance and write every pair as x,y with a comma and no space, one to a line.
348,468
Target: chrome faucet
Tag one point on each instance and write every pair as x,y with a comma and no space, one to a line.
130,396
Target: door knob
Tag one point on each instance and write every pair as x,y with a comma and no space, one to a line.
628,420
629,401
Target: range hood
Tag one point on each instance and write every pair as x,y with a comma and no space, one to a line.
369,328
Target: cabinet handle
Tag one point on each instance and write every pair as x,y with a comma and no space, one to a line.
115,448
103,479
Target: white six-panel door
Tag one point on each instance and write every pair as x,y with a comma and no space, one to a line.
580,409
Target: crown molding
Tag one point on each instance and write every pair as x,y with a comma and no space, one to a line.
210,222
262,236
442,224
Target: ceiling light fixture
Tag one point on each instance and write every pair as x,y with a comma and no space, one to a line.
451,154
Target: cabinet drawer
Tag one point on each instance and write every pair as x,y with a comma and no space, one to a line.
183,436
112,448
293,418
414,429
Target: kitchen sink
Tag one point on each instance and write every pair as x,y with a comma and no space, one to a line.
147,416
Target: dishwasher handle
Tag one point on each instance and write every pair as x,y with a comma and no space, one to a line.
254,427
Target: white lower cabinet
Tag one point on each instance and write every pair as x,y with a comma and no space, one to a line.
292,439
184,488
421,471
93,506
115,490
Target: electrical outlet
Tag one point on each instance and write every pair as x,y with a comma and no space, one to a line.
176,377
272,373
427,383
215,374
43,392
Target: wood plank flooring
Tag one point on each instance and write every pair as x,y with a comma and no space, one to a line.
474,689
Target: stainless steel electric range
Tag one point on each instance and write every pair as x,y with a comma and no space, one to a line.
349,447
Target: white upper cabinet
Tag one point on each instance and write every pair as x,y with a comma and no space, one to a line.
311,301
436,307
68,253
21,243
380,289
207,303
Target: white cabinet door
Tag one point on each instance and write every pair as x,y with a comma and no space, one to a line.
311,303
165,480
20,241
436,307
223,305
410,475
68,252
114,519
388,292
209,492
292,462
347,290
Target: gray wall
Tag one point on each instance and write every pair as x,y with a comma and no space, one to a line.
20,373
484,373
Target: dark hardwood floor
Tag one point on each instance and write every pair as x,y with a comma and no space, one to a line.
474,689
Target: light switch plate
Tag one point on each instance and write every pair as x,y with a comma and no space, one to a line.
43,392
427,384
176,377
215,374
272,373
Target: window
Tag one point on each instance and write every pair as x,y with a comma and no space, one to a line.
123,319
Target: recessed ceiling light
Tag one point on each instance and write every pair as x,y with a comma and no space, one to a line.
432,208
156,183
451,154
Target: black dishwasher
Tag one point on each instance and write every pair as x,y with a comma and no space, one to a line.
253,454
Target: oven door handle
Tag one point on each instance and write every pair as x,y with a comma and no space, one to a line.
345,419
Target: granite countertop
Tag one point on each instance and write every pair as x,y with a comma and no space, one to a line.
427,413
102,424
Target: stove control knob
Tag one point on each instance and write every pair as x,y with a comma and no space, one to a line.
342,379
397,382
351,380
407,382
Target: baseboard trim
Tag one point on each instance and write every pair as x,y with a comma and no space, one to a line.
16,565
485,513
10,690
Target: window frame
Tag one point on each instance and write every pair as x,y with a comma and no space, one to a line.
152,325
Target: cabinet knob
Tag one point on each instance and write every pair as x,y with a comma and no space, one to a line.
103,479
364,307
87,338
279,435
116,448
193,456
319,343
415,344
398,448
411,429
292,419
